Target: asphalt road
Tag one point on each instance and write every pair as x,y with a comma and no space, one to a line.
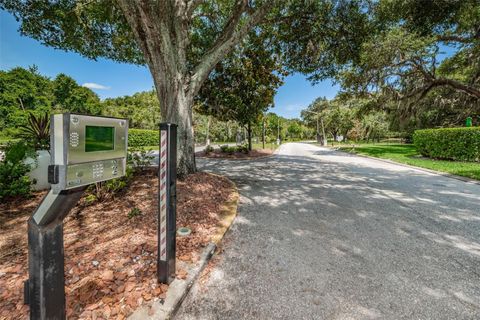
325,235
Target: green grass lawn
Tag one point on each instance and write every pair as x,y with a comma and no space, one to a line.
271,146
406,153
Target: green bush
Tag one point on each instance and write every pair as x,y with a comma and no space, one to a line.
242,148
208,149
142,138
140,158
461,144
227,149
37,130
134,213
103,190
14,180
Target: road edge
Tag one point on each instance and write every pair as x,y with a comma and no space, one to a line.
179,288
440,173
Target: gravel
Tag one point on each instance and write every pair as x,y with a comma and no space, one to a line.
325,235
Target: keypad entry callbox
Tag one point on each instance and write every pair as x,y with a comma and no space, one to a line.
83,149
86,149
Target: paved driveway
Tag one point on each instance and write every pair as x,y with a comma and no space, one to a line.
325,235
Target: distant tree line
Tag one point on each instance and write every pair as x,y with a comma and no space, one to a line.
24,91
418,67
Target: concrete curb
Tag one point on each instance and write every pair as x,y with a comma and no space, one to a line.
444,174
229,211
242,159
178,289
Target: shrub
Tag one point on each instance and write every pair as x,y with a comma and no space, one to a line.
142,138
461,144
37,131
137,160
208,149
14,180
140,158
104,190
227,149
242,148
134,213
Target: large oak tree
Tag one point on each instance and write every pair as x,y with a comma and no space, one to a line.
181,41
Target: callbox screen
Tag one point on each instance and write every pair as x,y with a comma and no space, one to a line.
99,138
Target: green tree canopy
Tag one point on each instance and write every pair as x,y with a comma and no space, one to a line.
26,90
242,87
182,41
142,109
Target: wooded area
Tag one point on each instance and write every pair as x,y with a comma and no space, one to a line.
402,65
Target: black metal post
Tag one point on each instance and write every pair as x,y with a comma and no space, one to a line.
45,288
167,200
46,283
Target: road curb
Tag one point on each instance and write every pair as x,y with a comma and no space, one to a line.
177,291
179,288
444,174
229,212
241,159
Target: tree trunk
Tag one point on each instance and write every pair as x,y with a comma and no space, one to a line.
185,136
162,30
176,108
249,135
185,139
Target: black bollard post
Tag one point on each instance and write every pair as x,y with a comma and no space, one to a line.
167,199
45,288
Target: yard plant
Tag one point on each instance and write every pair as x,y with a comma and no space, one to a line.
142,138
449,143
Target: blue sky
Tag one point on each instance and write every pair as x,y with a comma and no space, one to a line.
117,79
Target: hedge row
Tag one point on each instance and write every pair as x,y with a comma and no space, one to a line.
142,138
449,143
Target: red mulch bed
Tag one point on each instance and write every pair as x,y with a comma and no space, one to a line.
110,258
217,154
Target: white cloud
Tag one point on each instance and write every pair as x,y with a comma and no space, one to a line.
96,86
293,107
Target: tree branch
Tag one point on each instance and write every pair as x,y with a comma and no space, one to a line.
191,6
454,84
231,35
442,82
455,38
